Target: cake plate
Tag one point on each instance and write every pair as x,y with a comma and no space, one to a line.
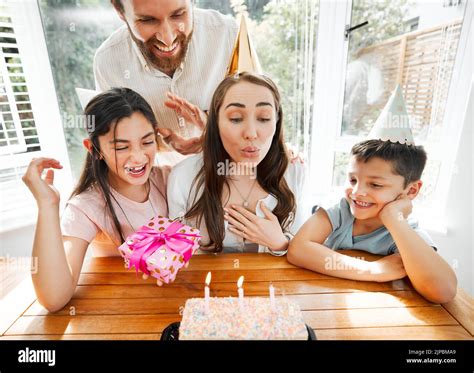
171,333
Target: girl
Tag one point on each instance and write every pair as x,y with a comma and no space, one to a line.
241,192
118,191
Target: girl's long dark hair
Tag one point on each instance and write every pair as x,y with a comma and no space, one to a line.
106,110
270,171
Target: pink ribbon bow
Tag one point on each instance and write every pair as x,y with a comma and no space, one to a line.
145,241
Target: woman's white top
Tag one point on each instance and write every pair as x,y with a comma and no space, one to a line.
181,197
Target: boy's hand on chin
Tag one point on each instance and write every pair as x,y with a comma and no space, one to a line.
399,209
389,268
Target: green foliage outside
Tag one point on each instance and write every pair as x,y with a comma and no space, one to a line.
74,29
387,19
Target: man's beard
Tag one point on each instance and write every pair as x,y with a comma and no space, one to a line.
164,64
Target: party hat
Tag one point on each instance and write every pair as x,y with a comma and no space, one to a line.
244,57
393,124
85,95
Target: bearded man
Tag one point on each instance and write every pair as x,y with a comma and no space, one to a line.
174,55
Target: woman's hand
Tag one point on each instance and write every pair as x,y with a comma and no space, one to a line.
293,154
42,189
263,231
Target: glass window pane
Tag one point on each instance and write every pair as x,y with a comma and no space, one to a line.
430,179
408,42
73,31
411,43
284,34
341,160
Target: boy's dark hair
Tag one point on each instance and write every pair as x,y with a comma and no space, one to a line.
407,160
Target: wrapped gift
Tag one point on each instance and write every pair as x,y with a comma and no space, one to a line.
160,248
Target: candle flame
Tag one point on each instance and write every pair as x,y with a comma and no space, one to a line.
240,281
208,278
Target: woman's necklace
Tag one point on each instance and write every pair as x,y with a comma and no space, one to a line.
246,200
149,200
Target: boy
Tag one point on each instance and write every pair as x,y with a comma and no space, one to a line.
383,179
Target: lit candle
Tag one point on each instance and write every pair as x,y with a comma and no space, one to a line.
272,296
241,291
207,292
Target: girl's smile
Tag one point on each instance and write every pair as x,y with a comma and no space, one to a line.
129,151
136,171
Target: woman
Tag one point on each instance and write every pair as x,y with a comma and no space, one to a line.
242,191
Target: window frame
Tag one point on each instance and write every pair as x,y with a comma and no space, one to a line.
329,82
329,92
29,33
329,98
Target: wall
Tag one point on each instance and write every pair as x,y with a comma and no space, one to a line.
457,245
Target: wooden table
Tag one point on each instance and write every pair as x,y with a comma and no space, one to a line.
111,302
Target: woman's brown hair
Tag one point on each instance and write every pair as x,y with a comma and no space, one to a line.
270,171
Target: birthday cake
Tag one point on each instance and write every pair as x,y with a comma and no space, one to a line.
253,318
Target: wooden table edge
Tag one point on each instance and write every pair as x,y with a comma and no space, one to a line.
460,308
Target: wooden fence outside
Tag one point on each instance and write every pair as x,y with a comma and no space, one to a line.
422,63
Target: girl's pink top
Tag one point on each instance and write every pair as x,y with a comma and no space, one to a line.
86,217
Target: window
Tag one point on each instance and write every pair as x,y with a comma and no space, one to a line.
411,43
283,31
284,35
73,31
332,89
27,110
17,124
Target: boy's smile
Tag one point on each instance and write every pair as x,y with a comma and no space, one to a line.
370,186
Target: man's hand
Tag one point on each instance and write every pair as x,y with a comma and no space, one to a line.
184,109
293,154
184,146
193,116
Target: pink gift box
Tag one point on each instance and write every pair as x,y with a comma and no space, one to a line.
160,248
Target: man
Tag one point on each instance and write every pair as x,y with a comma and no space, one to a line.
166,50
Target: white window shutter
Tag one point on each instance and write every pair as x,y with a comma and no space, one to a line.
30,120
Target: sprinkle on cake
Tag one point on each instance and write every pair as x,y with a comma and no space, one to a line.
225,318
